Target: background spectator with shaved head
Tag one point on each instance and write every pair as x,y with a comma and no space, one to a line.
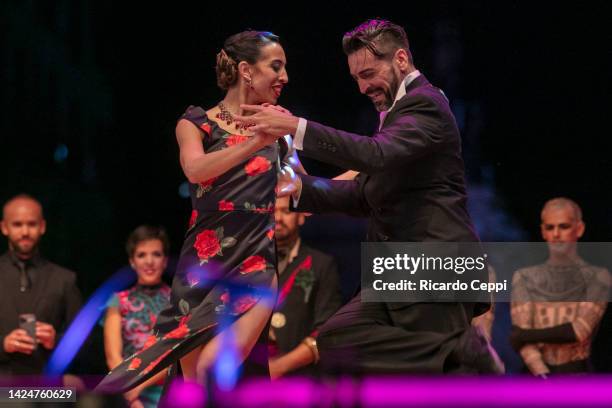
45,295
557,305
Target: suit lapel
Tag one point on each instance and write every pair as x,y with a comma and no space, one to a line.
288,276
294,264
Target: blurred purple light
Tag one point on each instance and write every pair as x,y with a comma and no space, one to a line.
85,320
227,365
487,391
184,395
591,391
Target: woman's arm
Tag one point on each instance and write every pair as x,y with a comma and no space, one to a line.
113,344
199,166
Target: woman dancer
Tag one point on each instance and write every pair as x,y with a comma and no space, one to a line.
229,250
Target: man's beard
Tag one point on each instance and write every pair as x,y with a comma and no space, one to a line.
24,252
286,238
389,94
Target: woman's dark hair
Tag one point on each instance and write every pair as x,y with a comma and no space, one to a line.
146,233
381,37
244,46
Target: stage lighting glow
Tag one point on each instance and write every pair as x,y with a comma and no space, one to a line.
83,323
227,364
183,190
185,395
61,153
323,185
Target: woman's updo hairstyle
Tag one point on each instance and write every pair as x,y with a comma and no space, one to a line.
244,46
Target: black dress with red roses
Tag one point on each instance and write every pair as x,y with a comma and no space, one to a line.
229,253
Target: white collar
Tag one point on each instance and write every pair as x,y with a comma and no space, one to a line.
401,92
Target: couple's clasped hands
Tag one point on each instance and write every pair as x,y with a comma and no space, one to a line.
271,122
268,121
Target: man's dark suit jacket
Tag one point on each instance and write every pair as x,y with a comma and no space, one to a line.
411,185
305,313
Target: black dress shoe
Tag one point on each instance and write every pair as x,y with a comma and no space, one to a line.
474,351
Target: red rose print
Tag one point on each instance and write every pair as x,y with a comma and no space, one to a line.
151,340
177,333
194,217
206,128
270,234
243,304
184,320
181,331
225,297
207,244
252,264
208,183
235,139
226,205
155,362
135,363
257,165
205,186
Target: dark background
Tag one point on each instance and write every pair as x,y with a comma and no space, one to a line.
90,92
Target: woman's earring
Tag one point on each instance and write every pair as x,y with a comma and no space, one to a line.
248,82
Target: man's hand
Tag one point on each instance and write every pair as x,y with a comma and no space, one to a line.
45,335
277,107
18,341
273,120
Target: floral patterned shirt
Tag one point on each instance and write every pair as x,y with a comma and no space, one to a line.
139,307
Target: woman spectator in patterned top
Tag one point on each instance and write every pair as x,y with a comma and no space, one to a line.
132,313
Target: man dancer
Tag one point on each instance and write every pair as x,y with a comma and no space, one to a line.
411,187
